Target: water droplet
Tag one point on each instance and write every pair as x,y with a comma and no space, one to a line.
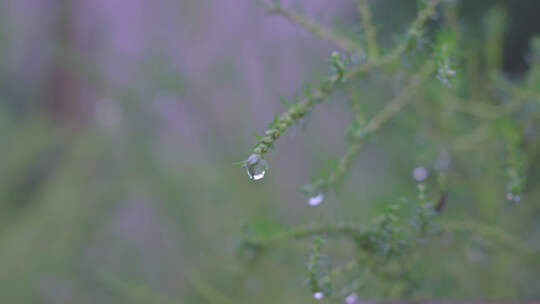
509,196
513,197
318,295
316,200
351,299
420,173
445,81
256,172
256,167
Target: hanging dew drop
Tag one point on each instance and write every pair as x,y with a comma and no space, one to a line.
513,197
255,174
351,299
509,196
256,167
318,295
316,200
420,173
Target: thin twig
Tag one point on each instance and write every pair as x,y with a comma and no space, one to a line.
306,106
369,29
316,28
383,116
307,231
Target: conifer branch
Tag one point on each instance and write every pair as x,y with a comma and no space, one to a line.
392,235
383,116
350,230
414,32
369,29
301,109
487,111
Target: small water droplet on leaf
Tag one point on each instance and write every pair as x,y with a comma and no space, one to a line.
420,173
318,295
351,299
513,197
316,200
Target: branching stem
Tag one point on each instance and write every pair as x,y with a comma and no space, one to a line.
383,116
316,28
301,109
369,29
307,231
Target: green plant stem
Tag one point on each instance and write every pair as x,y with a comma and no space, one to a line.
487,111
307,231
301,109
339,270
493,233
356,105
518,92
383,116
413,33
313,265
524,93
401,100
470,140
206,291
316,28
369,29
